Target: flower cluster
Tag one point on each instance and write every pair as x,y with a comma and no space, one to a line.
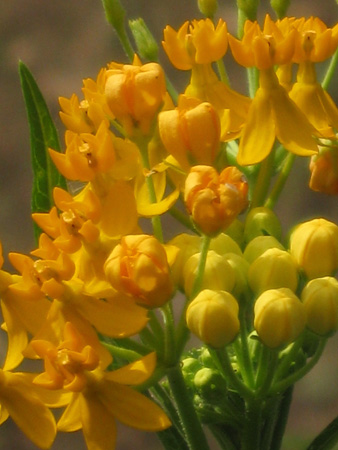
95,301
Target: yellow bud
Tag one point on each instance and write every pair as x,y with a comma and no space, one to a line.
275,268
218,273
320,298
279,317
314,245
138,266
213,317
215,200
191,132
240,267
223,244
135,94
259,245
188,245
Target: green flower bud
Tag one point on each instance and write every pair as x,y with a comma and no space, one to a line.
115,13
210,383
189,368
218,273
223,244
213,317
146,44
235,231
259,245
279,317
280,6
320,298
249,7
208,7
314,245
262,222
274,269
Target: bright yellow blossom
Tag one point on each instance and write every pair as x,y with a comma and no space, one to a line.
98,397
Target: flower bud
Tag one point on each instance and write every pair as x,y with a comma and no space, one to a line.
280,6
274,269
191,132
138,266
213,317
259,245
320,298
214,200
223,244
218,274
188,245
135,94
210,383
314,245
324,172
147,46
208,7
261,221
240,267
279,317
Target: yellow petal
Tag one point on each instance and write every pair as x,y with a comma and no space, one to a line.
155,209
258,134
132,408
71,418
28,412
17,338
98,424
134,373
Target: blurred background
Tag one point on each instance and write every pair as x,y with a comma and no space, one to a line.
65,41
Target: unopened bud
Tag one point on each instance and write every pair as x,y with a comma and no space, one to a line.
208,7
259,245
261,221
147,46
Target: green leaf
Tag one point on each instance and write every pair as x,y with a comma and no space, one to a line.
327,439
43,135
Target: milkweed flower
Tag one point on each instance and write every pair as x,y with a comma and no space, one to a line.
324,171
98,397
138,266
314,43
191,132
215,200
272,113
135,93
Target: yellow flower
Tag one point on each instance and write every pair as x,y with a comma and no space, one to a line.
135,93
191,132
215,200
74,115
314,245
279,317
320,298
213,317
198,42
99,398
315,43
138,266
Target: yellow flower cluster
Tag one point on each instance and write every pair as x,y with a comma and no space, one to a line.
135,156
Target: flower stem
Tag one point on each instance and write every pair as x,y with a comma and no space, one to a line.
193,431
330,71
263,181
281,180
201,266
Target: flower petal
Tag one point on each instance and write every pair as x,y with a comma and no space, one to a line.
134,373
71,418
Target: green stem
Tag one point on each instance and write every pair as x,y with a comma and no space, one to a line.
282,419
266,370
251,436
156,221
291,379
243,352
123,353
281,180
170,343
221,437
288,359
125,42
330,71
181,218
191,425
263,181
222,72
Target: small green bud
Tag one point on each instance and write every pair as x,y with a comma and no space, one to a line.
280,7
209,382
235,230
262,221
145,42
115,13
249,7
223,244
208,7
189,368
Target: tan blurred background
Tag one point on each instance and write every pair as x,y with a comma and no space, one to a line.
63,42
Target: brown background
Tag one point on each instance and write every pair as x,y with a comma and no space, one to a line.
63,42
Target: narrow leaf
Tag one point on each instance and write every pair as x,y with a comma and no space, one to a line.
327,439
43,135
